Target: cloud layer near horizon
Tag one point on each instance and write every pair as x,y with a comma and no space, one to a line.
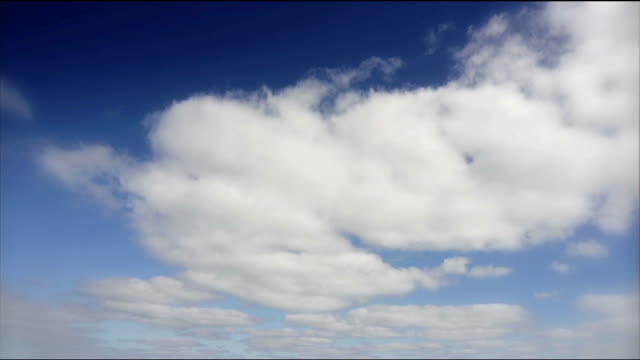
254,195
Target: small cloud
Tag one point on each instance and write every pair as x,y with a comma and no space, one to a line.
12,101
455,265
546,294
488,271
560,267
346,77
434,37
589,248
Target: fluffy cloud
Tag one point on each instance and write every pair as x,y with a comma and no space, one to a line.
252,194
12,101
561,268
590,248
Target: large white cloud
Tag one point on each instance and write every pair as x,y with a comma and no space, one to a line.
252,194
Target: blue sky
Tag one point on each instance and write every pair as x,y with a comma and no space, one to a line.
214,179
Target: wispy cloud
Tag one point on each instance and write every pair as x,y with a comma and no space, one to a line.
434,37
12,101
588,248
561,268
489,271
546,294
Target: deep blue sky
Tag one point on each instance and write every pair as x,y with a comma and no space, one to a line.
111,64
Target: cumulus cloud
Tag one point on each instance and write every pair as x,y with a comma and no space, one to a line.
589,248
252,194
561,268
13,102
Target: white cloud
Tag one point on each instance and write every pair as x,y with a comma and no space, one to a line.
466,322
12,101
269,340
251,194
458,266
93,169
616,305
159,290
590,248
616,320
546,294
455,265
489,271
157,301
487,330
561,268
611,329
346,77
177,316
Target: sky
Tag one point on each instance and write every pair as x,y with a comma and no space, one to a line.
333,180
